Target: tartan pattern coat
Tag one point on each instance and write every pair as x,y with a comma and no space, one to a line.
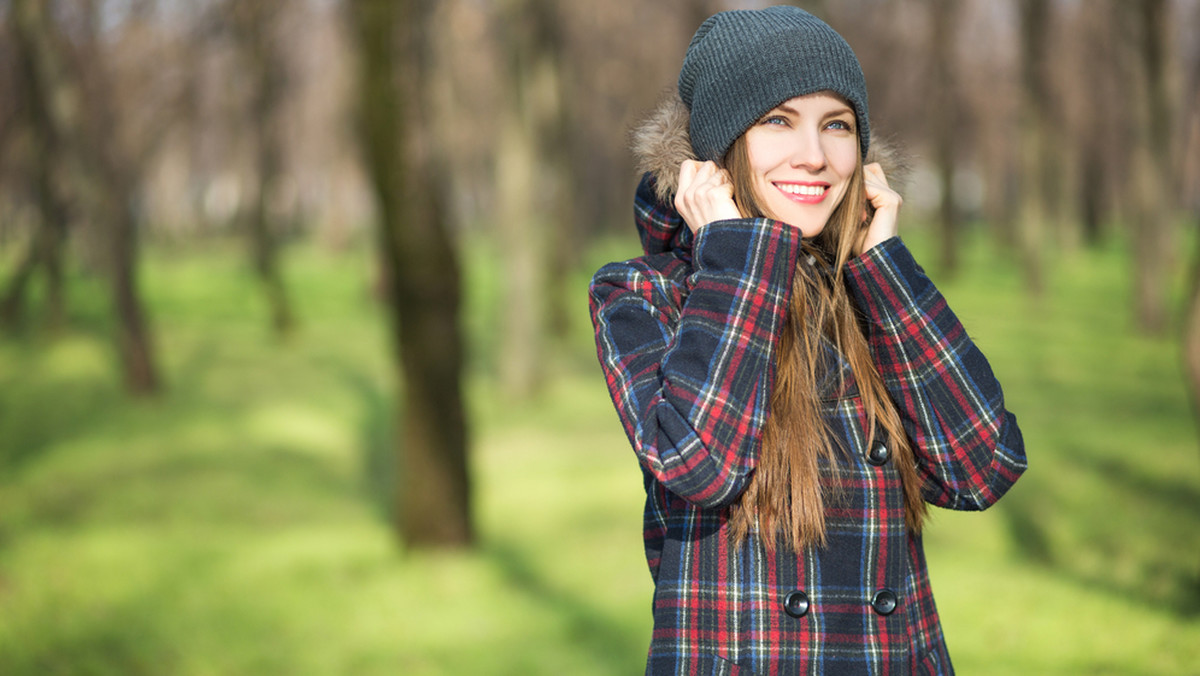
686,337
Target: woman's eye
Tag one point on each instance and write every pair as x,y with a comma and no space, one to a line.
775,119
842,125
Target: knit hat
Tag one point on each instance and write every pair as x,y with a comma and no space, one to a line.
742,63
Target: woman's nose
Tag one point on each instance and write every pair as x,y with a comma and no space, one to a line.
807,152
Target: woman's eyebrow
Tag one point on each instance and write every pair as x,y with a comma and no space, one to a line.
786,108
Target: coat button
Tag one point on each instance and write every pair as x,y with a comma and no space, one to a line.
885,602
795,603
879,454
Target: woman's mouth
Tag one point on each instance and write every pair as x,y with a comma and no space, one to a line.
804,193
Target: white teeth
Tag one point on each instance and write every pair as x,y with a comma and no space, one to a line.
810,190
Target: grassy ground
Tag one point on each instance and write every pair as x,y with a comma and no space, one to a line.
238,523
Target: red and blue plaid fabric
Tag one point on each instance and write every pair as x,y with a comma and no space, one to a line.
686,338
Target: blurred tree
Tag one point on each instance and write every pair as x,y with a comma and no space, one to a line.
699,10
1191,328
560,181
1096,133
88,161
1035,120
990,99
531,180
618,59
944,126
1152,182
421,269
256,25
1191,161
46,246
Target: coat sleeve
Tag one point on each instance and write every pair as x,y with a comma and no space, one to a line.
689,369
969,448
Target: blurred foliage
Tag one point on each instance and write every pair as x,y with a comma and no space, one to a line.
238,524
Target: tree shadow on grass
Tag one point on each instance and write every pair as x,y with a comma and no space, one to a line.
607,642
125,639
1027,534
1169,572
267,489
1175,566
37,413
1171,494
41,408
376,433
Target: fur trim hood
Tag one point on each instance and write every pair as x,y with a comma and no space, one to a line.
660,143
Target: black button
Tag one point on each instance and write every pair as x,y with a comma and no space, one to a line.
878,454
796,603
885,602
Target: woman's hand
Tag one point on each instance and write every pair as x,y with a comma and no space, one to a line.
886,203
705,194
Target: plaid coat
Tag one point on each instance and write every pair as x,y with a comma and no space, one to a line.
686,338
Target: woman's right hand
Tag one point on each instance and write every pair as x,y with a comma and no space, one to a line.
705,194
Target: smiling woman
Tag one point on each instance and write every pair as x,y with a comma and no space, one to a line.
796,390
800,159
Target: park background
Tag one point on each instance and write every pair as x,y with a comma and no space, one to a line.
296,371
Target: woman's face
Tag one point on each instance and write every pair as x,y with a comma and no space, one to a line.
802,156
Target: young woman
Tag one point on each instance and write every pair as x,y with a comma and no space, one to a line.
795,388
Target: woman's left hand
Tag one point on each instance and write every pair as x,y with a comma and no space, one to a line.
885,223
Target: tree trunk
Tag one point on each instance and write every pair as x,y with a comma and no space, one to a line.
54,226
1032,210
12,307
1191,331
46,247
46,250
1188,170
530,177
87,161
563,231
522,251
433,500
1093,200
944,117
1153,198
133,336
1094,154
269,74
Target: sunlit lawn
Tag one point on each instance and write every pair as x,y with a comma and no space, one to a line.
238,524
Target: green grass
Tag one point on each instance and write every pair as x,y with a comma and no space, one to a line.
238,524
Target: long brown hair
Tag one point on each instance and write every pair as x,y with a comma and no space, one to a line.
786,496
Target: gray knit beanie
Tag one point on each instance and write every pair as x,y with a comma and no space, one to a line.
742,63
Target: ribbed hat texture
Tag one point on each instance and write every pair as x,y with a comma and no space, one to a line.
742,63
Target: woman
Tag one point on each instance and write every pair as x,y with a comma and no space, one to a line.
795,388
